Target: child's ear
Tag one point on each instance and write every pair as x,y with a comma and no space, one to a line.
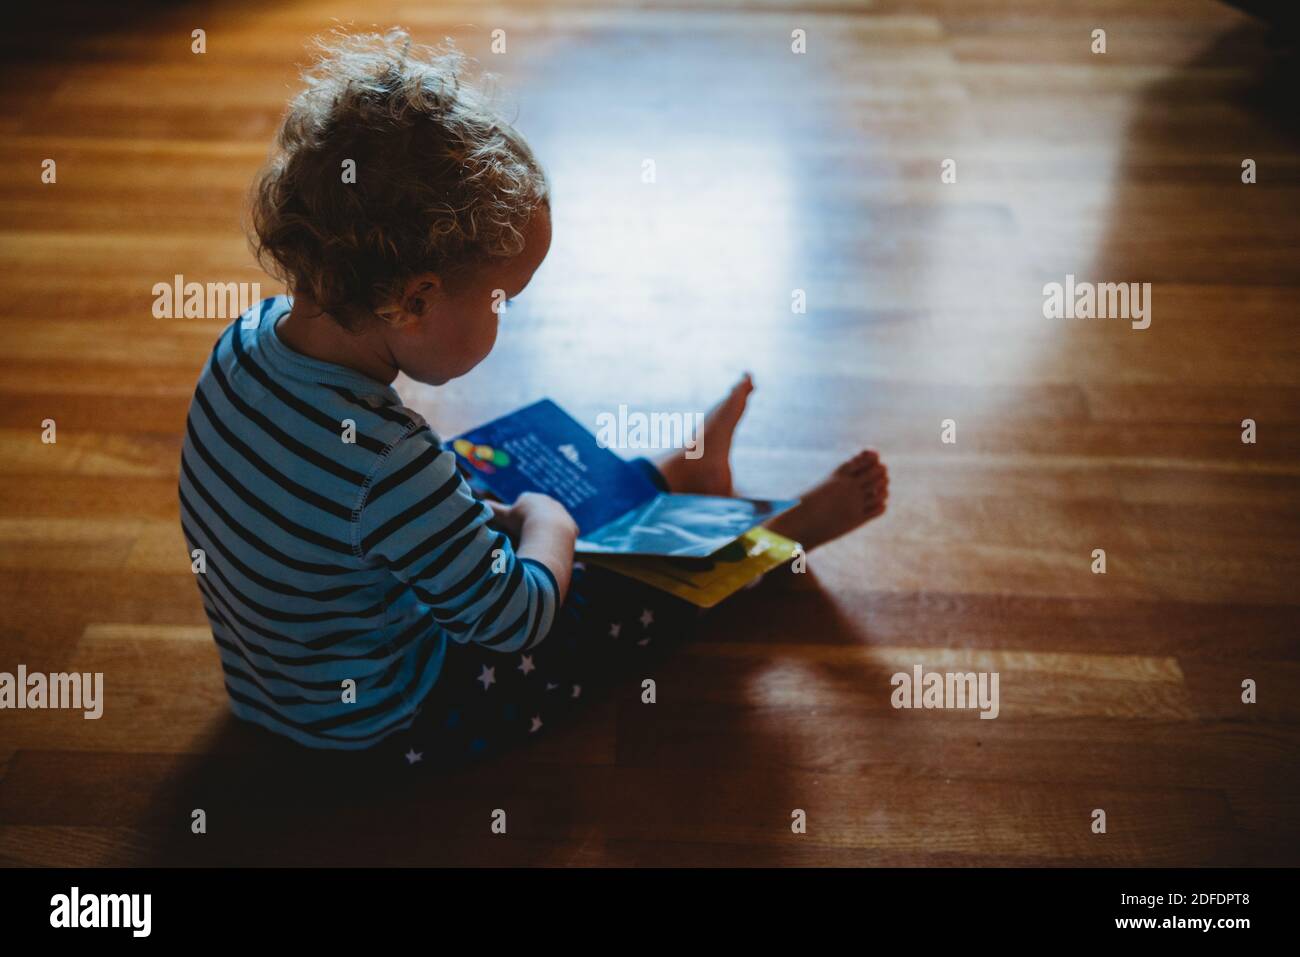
421,293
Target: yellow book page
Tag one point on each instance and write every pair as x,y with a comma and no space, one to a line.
706,581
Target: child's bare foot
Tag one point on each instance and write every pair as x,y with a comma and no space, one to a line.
852,494
709,472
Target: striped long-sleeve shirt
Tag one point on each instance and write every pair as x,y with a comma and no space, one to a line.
338,543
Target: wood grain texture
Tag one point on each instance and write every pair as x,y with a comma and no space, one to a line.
775,172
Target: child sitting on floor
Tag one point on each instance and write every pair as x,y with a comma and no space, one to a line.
353,585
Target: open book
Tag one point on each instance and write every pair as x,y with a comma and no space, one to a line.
654,536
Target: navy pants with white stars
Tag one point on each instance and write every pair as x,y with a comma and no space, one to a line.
485,702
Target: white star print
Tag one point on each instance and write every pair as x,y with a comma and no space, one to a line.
488,677
577,691
526,664
551,686
614,629
643,642
647,617
537,723
412,756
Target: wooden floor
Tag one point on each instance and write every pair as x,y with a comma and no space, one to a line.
774,172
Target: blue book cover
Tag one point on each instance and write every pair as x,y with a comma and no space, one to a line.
541,448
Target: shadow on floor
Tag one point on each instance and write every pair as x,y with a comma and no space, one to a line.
616,785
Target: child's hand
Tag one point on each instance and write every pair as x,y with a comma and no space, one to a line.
544,531
537,509
505,518
531,508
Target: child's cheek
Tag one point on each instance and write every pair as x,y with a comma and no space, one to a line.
491,327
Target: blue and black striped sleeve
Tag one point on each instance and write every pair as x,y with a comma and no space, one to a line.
421,521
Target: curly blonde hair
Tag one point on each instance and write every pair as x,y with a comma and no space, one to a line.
442,182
